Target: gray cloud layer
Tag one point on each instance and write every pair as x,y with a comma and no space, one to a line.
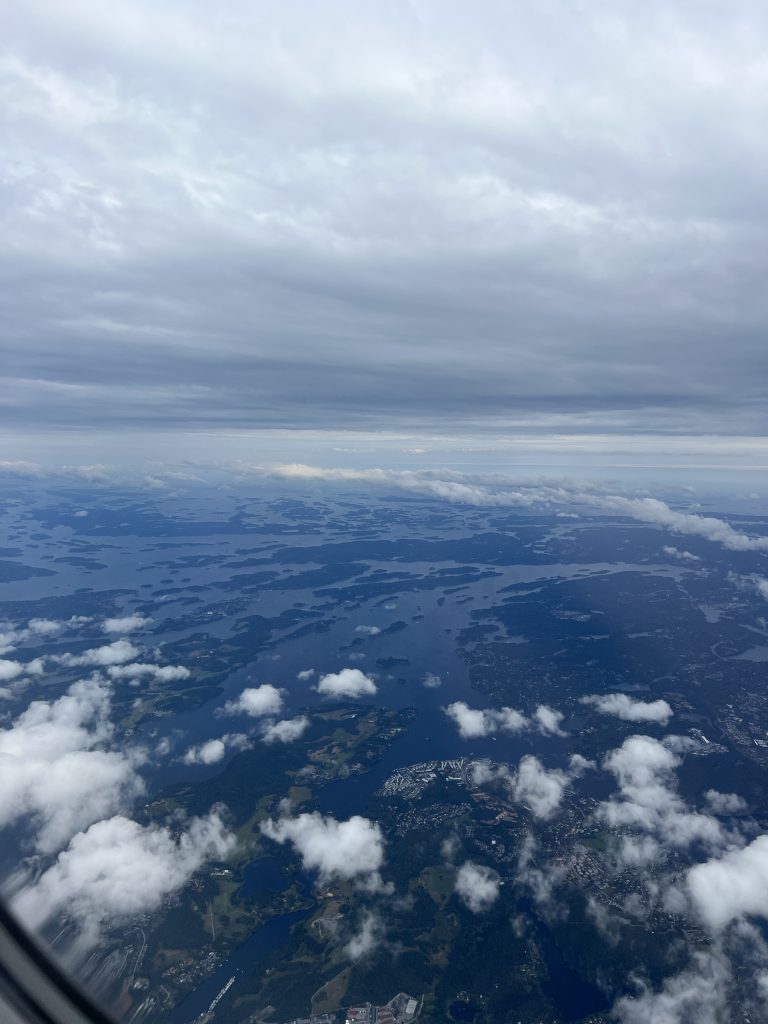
408,214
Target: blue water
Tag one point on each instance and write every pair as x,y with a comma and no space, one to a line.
263,875
269,936
573,996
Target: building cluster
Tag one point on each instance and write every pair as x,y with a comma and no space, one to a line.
400,1010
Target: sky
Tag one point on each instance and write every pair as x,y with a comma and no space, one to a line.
497,224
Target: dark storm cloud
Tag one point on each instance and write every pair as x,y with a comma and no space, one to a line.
400,215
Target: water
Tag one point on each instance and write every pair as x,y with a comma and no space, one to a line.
256,948
263,875
573,996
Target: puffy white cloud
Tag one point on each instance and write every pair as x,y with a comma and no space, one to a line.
305,675
684,556
352,849
256,702
10,670
731,886
8,640
163,747
36,629
350,682
206,753
287,731
431,681
125,623
368,630
638,851
473,723
698,994
629,710
539,788
470,722
578,764
542,881
607,923
483,772
162,673
118,868
725,803
366,939
44,627
55,768
116,653
648,800
548,720
652,510
477,886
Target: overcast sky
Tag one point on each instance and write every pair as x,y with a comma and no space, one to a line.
401,216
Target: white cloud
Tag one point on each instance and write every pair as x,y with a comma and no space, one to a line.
539,788
44,627
697,995
56,770
474,723
256,701
431,681
638,851
125,623
116,653
725,803
352,849
608,924
162,673
477,886
11,636
305,675
502,491
629,710
350,682
118,868
732,886
684,556
10,670
542,881
36,629
548,720
287,731
483,772
648,800
209,752
367,939
163,747
8,640
368,630
578,764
